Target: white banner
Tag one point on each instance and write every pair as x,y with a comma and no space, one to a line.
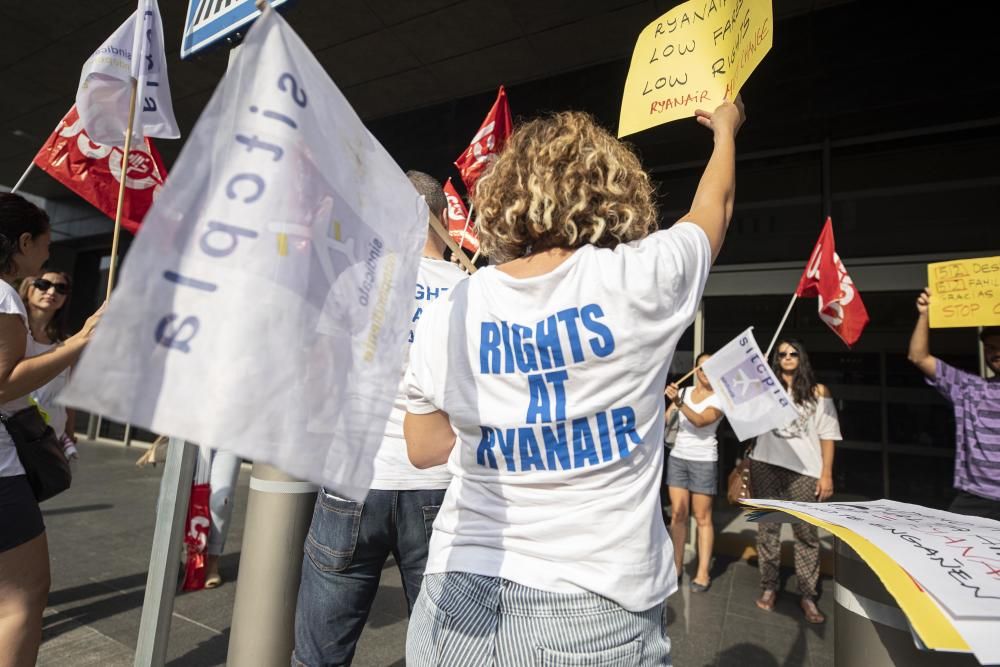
954,558
264,306
752,397
103,96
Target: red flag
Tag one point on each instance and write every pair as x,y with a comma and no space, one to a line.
487,143
457,217
199,520
93,171
840,304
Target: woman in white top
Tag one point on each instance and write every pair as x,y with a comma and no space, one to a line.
24,553
46,300
549,544
795,463
692,470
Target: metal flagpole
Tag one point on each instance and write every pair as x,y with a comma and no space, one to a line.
121,191
781,325
24,177
168,537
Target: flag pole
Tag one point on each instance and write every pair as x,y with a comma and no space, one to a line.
24,177
468,219
121,190
781,325
450,242
476,256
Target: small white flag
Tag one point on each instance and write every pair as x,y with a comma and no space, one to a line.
752,397
135,50
264,307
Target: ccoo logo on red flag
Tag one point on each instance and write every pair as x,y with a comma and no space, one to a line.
458,217
825,277
487,143
94,171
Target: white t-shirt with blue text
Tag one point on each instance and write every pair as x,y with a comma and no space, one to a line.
393,470
554,385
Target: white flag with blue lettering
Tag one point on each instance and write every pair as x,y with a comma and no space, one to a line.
264,306
752,397
134,51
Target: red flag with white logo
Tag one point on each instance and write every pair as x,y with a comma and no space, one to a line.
93,171
825,277
457,217
487,143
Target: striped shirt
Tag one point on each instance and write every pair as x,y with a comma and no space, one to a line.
976,402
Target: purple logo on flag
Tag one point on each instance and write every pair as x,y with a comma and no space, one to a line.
743,383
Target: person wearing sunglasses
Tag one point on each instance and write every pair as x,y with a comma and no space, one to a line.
795,463
24,551
47,302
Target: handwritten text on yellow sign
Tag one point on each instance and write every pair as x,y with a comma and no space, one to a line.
965,293
691,57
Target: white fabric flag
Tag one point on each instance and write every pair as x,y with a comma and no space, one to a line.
103,96
264,305
752,397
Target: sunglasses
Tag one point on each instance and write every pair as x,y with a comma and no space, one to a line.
44,285
793,355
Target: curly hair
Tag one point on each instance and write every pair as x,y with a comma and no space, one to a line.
562,181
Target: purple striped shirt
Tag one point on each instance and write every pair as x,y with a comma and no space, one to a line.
976,402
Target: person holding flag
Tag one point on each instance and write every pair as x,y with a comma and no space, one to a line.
550,544
795,462
349,541
24,551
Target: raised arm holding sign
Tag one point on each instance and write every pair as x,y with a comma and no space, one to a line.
694,56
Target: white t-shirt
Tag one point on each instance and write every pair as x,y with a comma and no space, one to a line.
10,465
45,396
697,443
393,470
796,446
554,385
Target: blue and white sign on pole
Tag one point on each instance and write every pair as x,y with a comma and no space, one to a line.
208,21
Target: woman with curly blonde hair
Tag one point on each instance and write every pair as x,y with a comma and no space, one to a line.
549,546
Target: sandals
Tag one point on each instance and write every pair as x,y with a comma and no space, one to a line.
766,600
213,580
812,613
700,588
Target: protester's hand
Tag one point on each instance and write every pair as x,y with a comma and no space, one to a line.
924,301
672,393
727,118
824,487
91,324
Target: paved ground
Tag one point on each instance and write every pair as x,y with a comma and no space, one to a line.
100,534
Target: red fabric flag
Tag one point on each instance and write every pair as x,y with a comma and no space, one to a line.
457,216
487,143
840,304
199,520
93,171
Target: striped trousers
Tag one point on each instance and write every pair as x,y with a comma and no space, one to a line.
462,620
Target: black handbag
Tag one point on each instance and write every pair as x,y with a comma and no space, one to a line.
40,452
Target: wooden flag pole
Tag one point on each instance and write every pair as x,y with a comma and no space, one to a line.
121,191
450,242
781,325
468,219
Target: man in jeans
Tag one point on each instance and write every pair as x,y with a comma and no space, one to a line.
976,402
348,542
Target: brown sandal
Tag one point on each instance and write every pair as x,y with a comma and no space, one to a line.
812,613
766,600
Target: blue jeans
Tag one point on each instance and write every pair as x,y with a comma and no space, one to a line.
347,545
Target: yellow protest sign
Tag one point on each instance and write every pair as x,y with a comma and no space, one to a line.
965,292
691,57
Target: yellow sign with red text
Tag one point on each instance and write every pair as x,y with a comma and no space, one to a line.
691,57
965,292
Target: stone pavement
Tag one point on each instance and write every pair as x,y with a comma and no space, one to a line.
100,533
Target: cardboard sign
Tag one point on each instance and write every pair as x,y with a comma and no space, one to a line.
965,292
691,57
